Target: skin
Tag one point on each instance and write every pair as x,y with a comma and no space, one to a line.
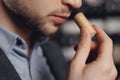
103,64
45,16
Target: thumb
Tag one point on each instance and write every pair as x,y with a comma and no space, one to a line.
83,48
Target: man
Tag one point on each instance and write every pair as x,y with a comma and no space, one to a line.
25,53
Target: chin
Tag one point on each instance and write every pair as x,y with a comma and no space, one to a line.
49,31
48,27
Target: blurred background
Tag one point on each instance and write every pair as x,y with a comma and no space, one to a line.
103,13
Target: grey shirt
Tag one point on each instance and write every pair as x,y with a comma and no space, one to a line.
29,68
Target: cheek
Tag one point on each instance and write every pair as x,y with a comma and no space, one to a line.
44,7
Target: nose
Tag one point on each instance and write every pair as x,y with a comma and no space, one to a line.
73,3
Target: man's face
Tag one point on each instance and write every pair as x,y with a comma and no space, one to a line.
46,14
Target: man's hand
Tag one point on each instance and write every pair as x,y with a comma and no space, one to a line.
102,68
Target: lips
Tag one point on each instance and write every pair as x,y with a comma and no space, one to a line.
59,19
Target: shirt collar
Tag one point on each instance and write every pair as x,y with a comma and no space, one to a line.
9,40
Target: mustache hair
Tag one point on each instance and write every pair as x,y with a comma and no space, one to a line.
60,11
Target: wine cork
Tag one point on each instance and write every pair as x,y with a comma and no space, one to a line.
82,21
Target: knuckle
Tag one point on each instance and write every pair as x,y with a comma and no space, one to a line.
114,72
107,68
110,70
108,41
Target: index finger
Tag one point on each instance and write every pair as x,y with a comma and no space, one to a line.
105,45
